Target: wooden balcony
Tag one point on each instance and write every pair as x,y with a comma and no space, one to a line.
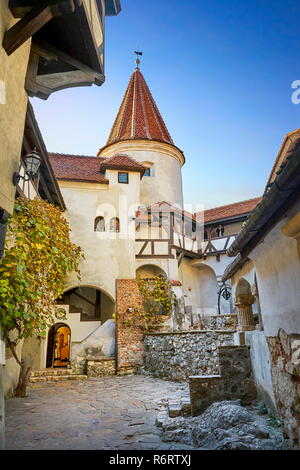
216,246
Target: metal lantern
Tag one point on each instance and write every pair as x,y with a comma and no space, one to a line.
32,164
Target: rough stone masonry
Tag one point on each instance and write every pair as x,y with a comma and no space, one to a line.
177,355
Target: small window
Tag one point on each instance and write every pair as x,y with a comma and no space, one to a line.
149,168
123,178
99,225
114,224
220,231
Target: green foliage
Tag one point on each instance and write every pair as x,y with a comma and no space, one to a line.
274,421
158,301
261,408
37,257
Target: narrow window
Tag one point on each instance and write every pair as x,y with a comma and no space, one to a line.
220,231
123,178
147,172
114,225
99,225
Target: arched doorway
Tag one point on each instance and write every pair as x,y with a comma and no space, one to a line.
59,346
149,271
93,304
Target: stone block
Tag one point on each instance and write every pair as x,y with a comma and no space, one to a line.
174,410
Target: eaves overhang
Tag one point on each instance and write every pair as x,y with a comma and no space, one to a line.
281,195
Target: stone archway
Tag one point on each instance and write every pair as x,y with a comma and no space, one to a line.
243,301
93,303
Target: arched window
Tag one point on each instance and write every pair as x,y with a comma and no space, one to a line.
99,225
114,224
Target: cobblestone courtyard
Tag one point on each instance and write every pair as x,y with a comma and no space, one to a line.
97,414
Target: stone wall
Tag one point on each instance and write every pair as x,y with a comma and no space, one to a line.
219,322
177,355
236,372
235,380
285,356
129,339
100,366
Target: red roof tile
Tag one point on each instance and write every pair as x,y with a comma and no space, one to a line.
122,162
138,116
288,145
231,210
77,168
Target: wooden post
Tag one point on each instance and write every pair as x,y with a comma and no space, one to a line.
26,28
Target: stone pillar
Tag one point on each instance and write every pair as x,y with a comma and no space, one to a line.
245,317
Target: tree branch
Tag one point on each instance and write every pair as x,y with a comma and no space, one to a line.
12,347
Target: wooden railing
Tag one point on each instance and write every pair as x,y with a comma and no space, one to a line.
216,245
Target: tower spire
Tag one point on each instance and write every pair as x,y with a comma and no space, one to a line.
138,116
137,60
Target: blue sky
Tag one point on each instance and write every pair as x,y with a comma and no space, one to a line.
220,72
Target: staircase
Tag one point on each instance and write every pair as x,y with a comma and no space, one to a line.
54,375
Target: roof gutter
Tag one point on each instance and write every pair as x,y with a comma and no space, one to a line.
275,202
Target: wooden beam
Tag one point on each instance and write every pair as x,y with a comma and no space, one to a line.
26,28
44,49
20,8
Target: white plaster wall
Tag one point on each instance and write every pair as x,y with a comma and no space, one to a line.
277,268
168,265
166,184
103,338
200,287
11,371
261,367
108,256
13,105
217,266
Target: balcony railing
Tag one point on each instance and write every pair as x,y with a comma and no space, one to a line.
217,245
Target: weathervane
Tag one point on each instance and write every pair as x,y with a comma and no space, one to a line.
137,60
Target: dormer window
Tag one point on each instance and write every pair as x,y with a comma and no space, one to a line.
123,177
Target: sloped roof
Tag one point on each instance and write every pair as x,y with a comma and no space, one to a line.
77,168
138,116
230,210
121,162
289,144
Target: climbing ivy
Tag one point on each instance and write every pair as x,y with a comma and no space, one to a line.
38,255
158,301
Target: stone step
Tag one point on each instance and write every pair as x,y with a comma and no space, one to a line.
56,378
52,372
180,407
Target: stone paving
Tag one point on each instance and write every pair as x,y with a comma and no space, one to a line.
111,413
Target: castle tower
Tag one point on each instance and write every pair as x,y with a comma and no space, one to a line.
140,132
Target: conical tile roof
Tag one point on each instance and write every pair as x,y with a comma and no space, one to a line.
138,116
